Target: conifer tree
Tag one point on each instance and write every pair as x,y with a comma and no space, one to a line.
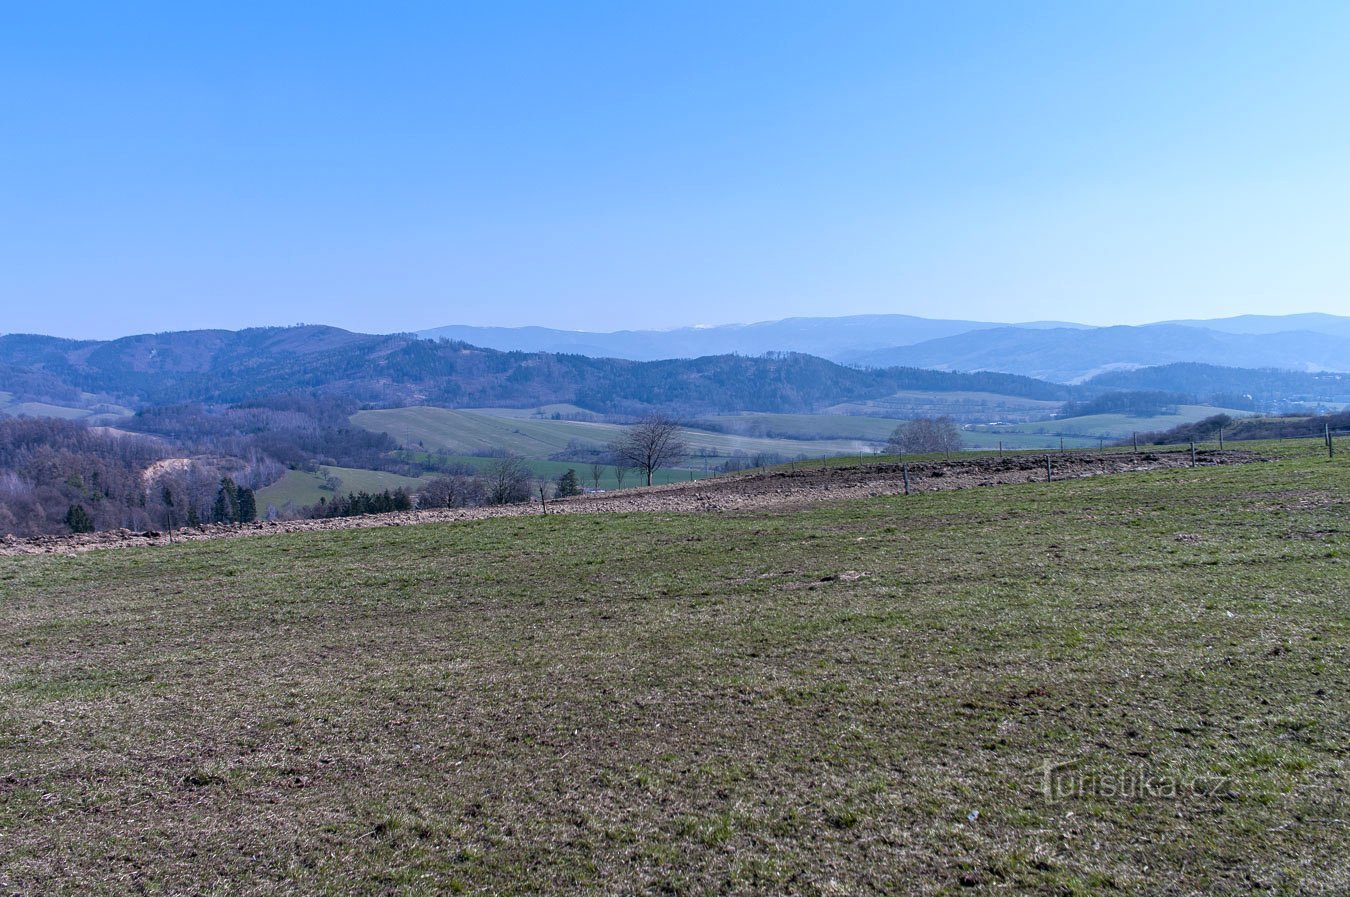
226,508
247,506
568,484
78,519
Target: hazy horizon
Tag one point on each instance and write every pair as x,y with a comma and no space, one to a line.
611,168
692,326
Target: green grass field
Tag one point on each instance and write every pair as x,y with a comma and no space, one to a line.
93,413
1120,426
522,432
919,403
302,489
876,430
1121,685
464,432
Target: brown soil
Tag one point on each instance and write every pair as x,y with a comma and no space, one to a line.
778,490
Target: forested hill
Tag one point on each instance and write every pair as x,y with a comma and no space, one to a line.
217,366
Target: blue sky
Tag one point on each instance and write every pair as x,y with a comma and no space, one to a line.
604,166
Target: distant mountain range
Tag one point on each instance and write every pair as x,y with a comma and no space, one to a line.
217,367
222,367
1058,351
1333,325
1072,356
832,338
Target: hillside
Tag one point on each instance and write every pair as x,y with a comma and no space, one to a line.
1069,356
1266,389
226,367
1117,426
947,692
466,432
68,377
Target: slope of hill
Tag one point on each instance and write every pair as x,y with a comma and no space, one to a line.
219,367
1264,389
1071,356
1124,684
1118,426
466,432
223,366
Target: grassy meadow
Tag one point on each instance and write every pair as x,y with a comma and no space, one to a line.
1121,685
91,412
302,488
814,435
1117,426
464,432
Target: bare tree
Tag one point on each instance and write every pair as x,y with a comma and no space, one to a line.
925,434
450,492
597,471
651,443
619,471
508,480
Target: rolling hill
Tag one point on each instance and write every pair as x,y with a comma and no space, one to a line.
1072,356
1116,426
461,432
225,367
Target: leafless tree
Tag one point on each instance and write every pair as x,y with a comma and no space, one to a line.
451,492
619,471
508,480
597,471
651,443
925,434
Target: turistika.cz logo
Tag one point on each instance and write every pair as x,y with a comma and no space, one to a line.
1065,780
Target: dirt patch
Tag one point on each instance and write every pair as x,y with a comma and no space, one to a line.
778,490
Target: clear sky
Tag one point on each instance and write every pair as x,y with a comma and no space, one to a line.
590,165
